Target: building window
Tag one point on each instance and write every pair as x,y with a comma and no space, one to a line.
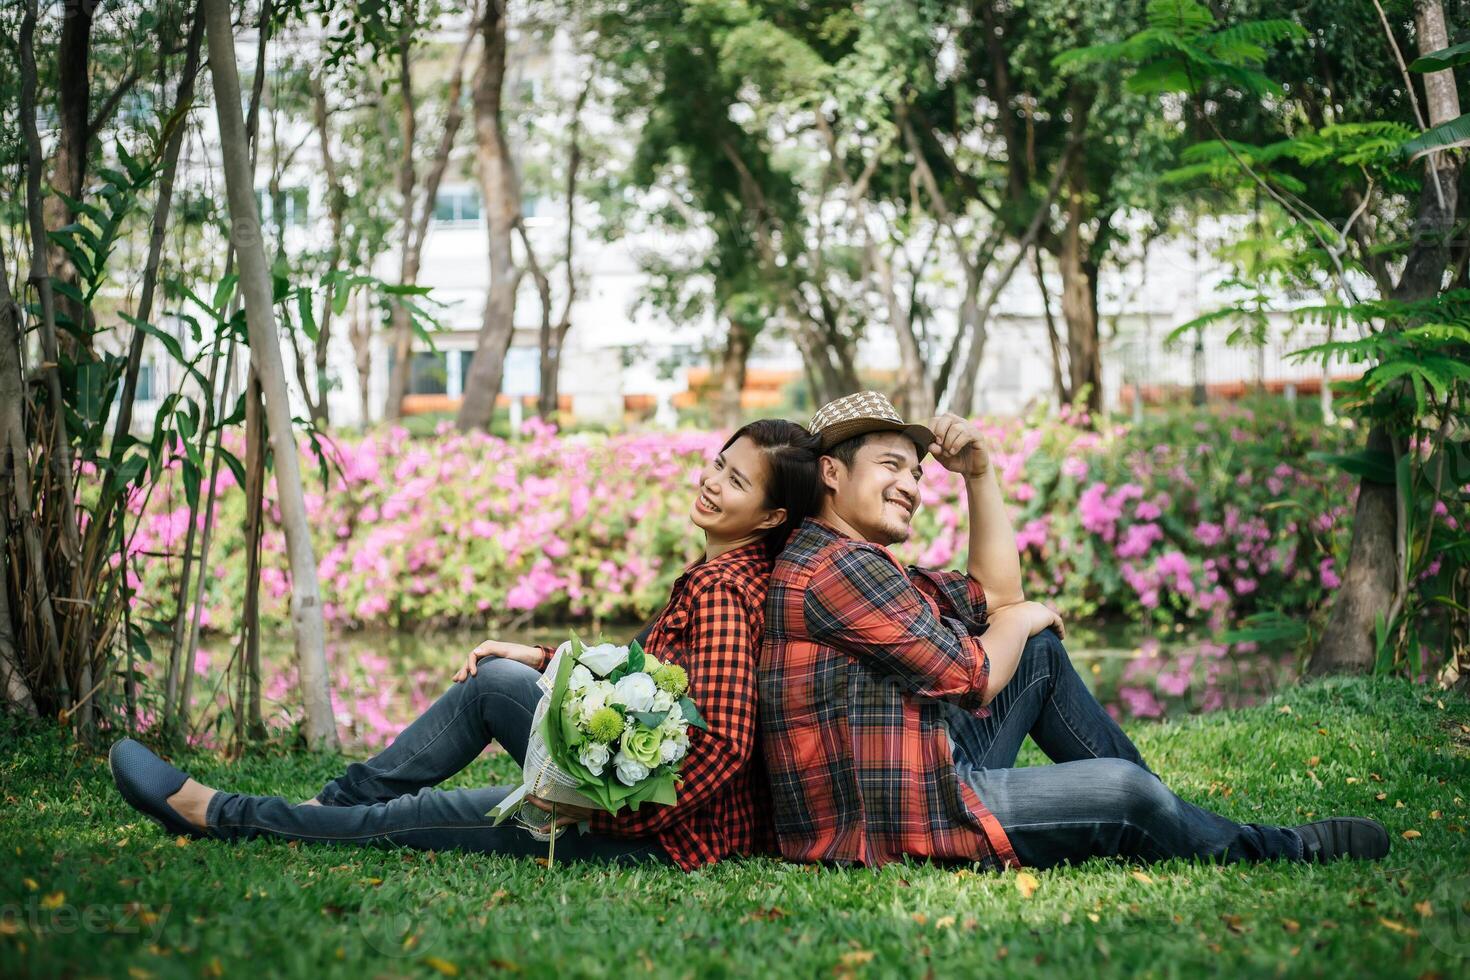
144,392
457,205
288,209
428,373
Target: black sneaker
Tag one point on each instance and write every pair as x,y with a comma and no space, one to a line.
1343,837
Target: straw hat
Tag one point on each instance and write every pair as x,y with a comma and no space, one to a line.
861,413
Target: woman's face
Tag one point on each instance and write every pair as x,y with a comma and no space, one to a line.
730,501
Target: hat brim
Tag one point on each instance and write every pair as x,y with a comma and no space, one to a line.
919,435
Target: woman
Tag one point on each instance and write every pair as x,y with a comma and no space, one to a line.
759,486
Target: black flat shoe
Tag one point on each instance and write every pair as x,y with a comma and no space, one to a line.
1343,837
146,782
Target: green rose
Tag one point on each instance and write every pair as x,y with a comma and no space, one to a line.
641,744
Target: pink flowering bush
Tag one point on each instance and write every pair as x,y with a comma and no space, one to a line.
1190,519
456,530
1195,519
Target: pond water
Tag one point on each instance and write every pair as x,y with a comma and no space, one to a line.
382,681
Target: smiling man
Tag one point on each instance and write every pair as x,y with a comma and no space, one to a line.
890,730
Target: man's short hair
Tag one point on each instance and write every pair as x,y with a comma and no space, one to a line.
846,451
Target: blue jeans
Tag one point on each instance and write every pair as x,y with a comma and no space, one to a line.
1099,800
389,800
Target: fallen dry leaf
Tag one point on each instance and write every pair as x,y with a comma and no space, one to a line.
1411,835
1380,796
442,965
1140,876
1314,761
1026,883
944,922
1424,909
53,901
1397,926
1291,925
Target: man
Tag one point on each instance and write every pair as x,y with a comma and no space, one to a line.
889,729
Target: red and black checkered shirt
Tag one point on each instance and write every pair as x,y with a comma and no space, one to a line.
712,628
860,658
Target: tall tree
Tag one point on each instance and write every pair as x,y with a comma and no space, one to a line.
265,354
501,194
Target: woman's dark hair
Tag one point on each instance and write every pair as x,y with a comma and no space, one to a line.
792,453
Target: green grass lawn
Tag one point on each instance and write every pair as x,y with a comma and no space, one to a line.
91,888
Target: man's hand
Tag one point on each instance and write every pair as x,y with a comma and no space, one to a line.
566,813
519,652
958,446
1036,616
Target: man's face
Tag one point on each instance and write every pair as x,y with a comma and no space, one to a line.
878,495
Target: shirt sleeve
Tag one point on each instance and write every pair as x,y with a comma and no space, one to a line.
720,660
958,595
546,654
861,602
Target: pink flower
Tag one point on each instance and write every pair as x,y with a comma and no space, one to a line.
1327,574
1208,534
1141,702
1138,539
1074,467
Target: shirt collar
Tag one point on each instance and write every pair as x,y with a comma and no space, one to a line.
756,549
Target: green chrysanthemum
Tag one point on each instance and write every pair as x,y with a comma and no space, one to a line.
672,678
605,724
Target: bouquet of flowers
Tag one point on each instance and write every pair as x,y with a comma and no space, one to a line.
611,731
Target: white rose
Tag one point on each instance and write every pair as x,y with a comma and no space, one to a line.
604,658
636,691
630,771
581,677
594,756
594,698
663,701
674,722
669,750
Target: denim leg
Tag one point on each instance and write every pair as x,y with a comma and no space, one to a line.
429,819
1073,811
495,704
1048,701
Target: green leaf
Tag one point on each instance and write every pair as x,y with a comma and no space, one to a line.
650,719
1447,135
308,318
696,719
1451,57
191,483
1375,466
233,462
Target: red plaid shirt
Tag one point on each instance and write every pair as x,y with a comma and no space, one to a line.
858,653
712,628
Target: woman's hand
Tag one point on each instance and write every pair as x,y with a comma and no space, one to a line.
519,652
1036,616
566,813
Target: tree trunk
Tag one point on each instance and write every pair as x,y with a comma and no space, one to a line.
551,350
501,194
69,166
400,329
171,152
732,374
418,210
265,355
1058,382
1079,308
1368,584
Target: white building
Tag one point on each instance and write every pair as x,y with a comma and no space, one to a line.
621,354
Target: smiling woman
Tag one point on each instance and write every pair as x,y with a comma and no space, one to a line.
760,484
